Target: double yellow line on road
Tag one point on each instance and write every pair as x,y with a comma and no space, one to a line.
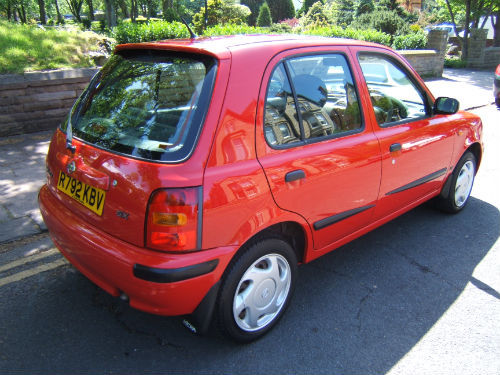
32,271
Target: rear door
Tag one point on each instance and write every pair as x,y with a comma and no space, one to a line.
321,159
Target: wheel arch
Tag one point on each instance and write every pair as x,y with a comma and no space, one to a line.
477,151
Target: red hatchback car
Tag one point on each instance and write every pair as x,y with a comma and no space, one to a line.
193,176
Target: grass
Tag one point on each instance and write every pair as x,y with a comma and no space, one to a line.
25,48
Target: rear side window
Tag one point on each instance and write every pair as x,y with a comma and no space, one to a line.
146,104
310,98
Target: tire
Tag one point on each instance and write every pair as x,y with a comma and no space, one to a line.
462,180
257,289
497,102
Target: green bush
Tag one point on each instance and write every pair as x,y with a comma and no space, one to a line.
315,16
231,29
368,35
281,28
387,21
144,32
220,12
416,40
264,18
454,62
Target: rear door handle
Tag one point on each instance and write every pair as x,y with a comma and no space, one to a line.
395,147
295,175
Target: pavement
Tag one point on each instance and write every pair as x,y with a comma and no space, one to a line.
22,158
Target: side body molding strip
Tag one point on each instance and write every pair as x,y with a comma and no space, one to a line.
420,181
323,223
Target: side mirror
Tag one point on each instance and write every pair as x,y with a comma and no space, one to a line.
446,106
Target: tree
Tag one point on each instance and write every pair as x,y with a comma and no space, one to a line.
220,12
43,17
473,11
75,7
264,19
90,5
254,6
365,6
110,13
345,12
306,5
281,9
315,16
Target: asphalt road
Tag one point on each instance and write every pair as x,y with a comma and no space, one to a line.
420,295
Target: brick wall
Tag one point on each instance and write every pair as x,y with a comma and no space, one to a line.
39,101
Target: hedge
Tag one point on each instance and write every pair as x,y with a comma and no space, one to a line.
158,30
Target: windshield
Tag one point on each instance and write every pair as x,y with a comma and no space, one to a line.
146,104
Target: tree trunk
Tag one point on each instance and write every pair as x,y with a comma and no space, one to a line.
9,11
91,10
465,47
110,13
123,8
166,5
43,17
496,28
59,17
22,14
133,10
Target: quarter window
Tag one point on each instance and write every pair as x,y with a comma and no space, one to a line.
310,98
393,95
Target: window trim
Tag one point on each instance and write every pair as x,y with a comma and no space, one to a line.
420,90
302,141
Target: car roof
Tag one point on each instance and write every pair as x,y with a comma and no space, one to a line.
220,46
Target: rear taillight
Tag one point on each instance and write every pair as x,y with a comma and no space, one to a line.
172,222
497,71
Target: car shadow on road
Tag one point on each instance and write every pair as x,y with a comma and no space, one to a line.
359,309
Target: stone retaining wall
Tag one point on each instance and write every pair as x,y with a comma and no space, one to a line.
427,63
38,101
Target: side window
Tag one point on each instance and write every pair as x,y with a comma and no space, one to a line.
281,125
321,87
394,96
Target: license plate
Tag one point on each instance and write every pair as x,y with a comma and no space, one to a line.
91,197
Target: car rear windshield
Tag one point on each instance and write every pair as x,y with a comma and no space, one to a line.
146,104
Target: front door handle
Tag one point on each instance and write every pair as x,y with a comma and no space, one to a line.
395,147
295,175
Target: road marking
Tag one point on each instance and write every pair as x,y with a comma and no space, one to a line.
28,259
31,272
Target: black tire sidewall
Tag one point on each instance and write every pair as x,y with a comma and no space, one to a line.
233,276
468,156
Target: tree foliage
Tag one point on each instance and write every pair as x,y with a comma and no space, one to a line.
264,19
220,12
281,9
315,17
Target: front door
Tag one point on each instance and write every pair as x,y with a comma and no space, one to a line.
416,147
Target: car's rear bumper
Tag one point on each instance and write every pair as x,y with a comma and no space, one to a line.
159,283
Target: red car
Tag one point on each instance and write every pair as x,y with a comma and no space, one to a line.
496,86
193,176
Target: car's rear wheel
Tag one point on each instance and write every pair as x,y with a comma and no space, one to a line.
462,180
257,289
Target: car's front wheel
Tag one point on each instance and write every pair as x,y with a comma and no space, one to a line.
462,180
257,289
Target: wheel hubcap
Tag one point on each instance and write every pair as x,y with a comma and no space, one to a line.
262,292
464,183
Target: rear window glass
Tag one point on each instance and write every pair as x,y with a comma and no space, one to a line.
146,104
